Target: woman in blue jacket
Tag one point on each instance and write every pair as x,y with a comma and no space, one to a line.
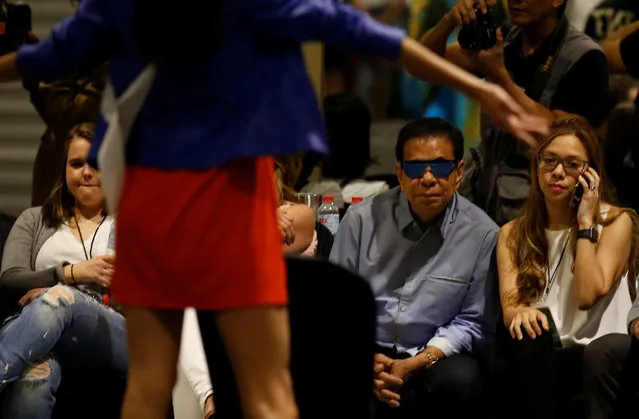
230,91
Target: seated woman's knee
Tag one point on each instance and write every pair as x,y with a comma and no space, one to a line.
60,295
53,305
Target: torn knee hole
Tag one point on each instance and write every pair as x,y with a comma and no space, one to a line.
39,370
57,295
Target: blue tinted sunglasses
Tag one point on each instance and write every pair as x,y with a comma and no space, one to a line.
439,168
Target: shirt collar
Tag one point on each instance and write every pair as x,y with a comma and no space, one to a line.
444,221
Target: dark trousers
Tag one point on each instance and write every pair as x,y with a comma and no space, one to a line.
611,377
452,388
536,380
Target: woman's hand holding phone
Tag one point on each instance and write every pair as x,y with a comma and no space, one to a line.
589,181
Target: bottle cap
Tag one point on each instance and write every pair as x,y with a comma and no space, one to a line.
356,199
327,198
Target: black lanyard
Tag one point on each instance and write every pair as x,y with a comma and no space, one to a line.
90,254
551,278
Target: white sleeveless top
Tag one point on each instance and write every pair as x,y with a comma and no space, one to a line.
580,327
63,246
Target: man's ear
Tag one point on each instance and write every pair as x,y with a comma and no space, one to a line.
557,3
459,173
398,171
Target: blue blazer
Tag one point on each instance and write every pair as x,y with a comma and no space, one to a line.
251,98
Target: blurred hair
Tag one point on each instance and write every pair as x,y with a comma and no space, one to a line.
285,178
348,126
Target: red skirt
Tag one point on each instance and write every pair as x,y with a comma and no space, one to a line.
203,239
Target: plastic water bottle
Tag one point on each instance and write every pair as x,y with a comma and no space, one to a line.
356,200
328,214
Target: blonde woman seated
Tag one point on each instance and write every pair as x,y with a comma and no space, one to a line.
570,254
297,221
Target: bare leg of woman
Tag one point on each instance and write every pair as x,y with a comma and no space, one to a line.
154,345
257,342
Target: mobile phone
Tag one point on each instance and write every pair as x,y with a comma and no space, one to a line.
552,328
577,194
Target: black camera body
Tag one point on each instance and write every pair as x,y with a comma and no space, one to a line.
480,34
15,25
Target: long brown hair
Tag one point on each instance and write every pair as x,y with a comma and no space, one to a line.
285,179
59,207
527,240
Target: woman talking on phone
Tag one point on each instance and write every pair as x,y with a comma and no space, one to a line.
230,89
567,267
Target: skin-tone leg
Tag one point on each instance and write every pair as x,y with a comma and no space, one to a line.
154,344
258,344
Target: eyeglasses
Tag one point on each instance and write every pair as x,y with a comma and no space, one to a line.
573,166
415,169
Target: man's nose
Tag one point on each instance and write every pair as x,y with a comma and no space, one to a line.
428,179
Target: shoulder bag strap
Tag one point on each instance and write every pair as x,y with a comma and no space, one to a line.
540,79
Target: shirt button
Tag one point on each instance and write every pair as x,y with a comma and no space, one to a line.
402,308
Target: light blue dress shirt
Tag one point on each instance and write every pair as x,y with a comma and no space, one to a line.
433,288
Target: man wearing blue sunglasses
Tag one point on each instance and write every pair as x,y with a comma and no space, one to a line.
428,255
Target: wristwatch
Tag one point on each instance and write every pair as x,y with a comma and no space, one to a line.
432,358
591,234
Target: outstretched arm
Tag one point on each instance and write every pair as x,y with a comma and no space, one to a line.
9,68
345,27
621,50
85,38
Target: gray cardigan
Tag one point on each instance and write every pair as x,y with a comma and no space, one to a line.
28,235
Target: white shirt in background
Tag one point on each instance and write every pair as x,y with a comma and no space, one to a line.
63,246
356,188
577,12
192,367
363,188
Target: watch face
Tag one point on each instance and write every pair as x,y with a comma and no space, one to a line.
591,234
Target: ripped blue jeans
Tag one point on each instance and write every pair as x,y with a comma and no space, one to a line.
63,326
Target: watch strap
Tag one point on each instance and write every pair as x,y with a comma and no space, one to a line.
588,233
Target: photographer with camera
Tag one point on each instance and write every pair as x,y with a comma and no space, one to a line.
15,26
549,67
